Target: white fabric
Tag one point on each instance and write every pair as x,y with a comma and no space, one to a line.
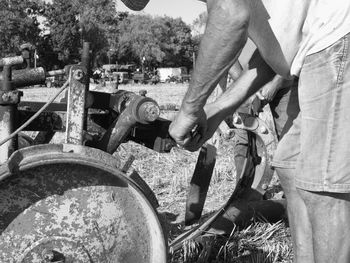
285,31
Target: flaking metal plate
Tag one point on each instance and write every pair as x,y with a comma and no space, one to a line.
73,212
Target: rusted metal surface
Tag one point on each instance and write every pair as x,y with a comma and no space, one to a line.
199,184
44,137
46,121
36,105
27,77
76,105
10,61
266,142
144,187
134,109
7,117
68,203
154,135
10,97
6,128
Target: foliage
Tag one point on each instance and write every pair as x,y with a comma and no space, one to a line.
18,24
114,36
74,21
160,41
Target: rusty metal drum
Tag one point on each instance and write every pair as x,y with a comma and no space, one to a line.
66,203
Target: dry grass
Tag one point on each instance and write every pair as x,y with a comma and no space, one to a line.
258,243
169,174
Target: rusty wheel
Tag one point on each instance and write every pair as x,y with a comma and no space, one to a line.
68,204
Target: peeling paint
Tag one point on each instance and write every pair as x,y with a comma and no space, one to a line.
68,209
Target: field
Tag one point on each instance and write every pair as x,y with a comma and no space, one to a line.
169,174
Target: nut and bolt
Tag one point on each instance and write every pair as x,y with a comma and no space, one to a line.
229,134
168,146
149,111
263,130
143,93
78,74
47,255
237,120
11,97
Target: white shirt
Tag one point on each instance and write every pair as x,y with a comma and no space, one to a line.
285,31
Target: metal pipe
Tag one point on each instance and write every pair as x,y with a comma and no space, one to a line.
27,77
7,119
11,61
58,72
86,63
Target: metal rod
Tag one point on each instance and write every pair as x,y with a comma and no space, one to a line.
11,61
7,119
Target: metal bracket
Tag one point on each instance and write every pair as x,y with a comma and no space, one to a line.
10,97
76,105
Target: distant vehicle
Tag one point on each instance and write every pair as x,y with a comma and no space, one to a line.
141,78
109,70
145,78
110,67
125,73
127,68
123,77
179,74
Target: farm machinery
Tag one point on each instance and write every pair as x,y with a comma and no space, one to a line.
75,201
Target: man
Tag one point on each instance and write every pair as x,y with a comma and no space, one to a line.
304,38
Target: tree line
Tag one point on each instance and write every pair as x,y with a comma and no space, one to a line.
58,29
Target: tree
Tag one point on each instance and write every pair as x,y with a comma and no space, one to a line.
161,41
73,21
177,43
18,25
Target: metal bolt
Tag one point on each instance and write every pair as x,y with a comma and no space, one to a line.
47,255
143,92
5,97
78,74
229,134
263,130
168,146
237,120
128,163
149,111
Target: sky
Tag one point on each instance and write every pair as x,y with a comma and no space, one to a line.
188,10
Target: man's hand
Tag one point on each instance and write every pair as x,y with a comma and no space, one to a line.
188,129
269,90
191,133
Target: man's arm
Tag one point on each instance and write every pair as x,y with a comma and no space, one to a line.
251,80
256,76
224,37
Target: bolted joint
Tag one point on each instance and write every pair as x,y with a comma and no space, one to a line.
149,111
10,97
237,120
263,130
47,255
78,74
229,134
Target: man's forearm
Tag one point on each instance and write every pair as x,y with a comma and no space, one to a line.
224,37
251,80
